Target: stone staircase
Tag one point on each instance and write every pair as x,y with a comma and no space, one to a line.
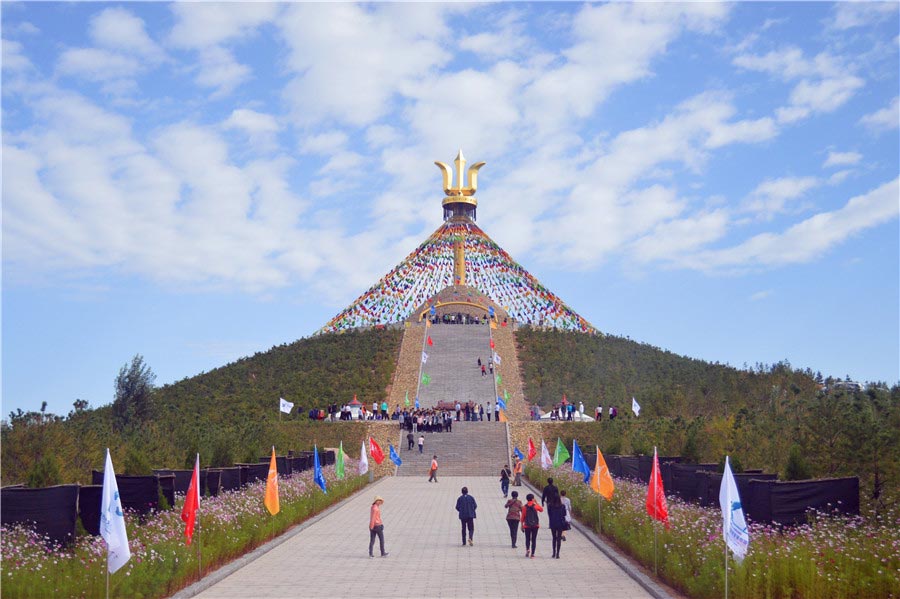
472,449
452,365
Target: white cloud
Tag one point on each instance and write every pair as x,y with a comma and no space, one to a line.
95,64
261,129
808,239
118,29
842,159
351,60
848,15
839,177
615,44
825,82
761,295
772,196
202,24
327,142
206,27
678,236
884,119
14,58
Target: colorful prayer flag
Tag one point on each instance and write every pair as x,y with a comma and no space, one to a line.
601,481
191,503
318,477
394,457
579,464
375,450
657,507
271,498
734,525
561,454
112,520
363,466
339,463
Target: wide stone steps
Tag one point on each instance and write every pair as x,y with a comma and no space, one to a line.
452,365
472,449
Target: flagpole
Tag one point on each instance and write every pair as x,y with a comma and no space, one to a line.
107,572
655,515
599,515
726,568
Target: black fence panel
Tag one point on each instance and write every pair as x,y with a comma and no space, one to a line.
138,493
211,480
89,497
182,478
51,510
230,478
792,500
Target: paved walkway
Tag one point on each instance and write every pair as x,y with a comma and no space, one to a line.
422,534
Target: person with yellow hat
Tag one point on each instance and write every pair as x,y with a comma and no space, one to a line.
376,527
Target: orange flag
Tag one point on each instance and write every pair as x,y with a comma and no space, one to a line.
493,325
601,480
271,499
503,417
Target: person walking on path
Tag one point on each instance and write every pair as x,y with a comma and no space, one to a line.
488,410
531,524
504,480
567,503
513,516
410,441
466,507
421,443
550,491
432,473
458,408
376,527
517,470
556,513
497,412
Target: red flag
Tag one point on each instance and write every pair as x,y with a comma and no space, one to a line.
492,344
430,342
532,451
657,507
375,450
191,503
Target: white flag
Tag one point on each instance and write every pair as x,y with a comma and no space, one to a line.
112,520
546,460
363,460
424,357
285,406
497,359
734,525
635,407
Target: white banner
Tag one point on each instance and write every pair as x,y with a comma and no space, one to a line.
285,406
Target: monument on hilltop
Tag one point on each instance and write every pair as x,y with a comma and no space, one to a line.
459,268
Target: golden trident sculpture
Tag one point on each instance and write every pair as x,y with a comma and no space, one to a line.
471,179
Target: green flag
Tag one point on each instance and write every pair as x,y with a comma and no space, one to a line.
561,454
339,462
425,379
499,379
406,401
506,395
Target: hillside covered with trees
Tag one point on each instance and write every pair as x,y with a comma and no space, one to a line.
775,418
229,414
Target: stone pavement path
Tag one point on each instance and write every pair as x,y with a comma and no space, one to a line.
427,559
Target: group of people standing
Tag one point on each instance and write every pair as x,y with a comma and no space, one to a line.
519,516
429,420
559,514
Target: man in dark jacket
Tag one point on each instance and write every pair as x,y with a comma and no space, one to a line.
550,491
466,507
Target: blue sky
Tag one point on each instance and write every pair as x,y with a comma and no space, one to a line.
198,182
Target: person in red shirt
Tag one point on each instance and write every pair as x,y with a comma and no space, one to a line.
376,527
432,473
530,524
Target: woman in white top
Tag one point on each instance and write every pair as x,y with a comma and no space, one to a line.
567,503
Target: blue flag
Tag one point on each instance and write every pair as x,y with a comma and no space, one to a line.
501,403
394,457
491,310
432,311
579,464
417,402
518,454
318,477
